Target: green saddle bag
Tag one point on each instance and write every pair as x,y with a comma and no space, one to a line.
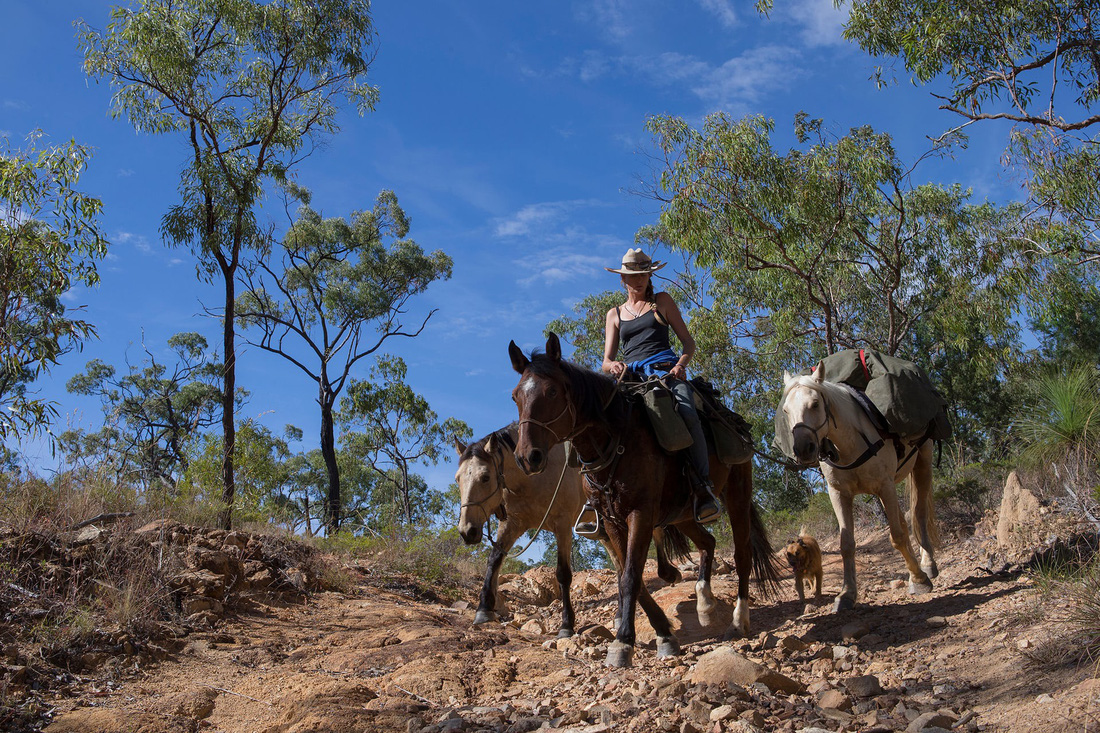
660,406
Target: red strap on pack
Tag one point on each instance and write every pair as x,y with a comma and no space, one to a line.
863,361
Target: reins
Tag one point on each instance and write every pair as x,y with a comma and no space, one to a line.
564,468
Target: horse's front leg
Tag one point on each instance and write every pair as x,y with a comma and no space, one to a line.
486,607
899,538
564,535
705,603
639,532
842,507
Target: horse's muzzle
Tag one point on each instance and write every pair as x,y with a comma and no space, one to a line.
471,535
532,462
806,446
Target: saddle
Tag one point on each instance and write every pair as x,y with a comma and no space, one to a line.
729,435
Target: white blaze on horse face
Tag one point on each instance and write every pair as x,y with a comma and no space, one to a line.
476,486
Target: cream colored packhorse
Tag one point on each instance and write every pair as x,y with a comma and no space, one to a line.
831,428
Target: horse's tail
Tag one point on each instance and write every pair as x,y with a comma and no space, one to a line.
765,570
922,500
675,543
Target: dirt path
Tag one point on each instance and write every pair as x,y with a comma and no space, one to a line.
380,661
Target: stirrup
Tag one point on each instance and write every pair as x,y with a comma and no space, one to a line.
707,510
588,524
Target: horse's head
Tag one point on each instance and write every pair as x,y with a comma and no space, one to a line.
805,407
480,479
546,412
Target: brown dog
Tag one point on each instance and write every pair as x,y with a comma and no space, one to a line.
804,555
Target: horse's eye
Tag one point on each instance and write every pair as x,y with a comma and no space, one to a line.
552,392
485,479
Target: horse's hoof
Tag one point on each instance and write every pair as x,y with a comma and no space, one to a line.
565,632
672,575
919,589
931,570
619,655
733,633
843,603
484,617
667,647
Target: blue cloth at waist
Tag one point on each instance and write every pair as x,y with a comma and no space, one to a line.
648,366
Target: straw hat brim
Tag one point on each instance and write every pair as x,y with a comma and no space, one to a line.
653,267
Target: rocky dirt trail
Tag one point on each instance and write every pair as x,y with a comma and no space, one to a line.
377,659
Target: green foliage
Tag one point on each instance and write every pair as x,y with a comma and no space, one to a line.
397,430
49,242
1003,58
585,555
586,330
1062,419
828,246
152,412
337,282
253,86
1064,311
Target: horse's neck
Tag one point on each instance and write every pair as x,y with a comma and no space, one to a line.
850,423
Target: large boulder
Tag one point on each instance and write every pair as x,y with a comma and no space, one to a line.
726,665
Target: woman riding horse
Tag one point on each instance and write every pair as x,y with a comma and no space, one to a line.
639,330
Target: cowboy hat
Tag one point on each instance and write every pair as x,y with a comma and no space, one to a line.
637,262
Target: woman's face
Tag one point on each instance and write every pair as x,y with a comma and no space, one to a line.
636,283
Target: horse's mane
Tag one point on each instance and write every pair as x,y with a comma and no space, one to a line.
843,404
476,449
589,389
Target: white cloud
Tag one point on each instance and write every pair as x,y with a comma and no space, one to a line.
745,78
535,217
821,23
721,9
138,241
16,104
125,172
612,16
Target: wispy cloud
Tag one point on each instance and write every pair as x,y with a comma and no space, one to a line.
721,9
612,16
125,172
16,104
137,241
820,22
731,85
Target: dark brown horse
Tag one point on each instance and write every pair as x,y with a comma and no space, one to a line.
636,485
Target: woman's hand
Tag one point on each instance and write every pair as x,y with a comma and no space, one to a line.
616,368
677,372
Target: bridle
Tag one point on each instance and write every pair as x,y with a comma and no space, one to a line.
500,489
827,450
573,432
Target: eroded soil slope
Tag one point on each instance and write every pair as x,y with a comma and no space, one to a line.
378,659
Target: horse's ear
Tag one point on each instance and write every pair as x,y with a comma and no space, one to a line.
819,372
460,447
490,444
519,361
553,347
787,377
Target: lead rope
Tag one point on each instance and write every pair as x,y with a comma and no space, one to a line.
564,467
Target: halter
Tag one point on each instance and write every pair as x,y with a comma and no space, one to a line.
546,425
827,450
500,489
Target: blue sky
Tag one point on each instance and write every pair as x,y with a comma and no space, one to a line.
511,132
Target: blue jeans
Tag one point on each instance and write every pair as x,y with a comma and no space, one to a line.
685,407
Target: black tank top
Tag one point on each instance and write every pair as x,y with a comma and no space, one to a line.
642,337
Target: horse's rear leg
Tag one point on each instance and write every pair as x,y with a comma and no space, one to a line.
739,507
921,511
486,607
899,537
564,535
842,507
667,646
705,604
666,569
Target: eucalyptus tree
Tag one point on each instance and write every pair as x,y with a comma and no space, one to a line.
396,430
341,290
49,242
152,413
1033,64
828,246
251,86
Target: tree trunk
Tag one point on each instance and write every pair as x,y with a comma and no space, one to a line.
229,427
328,451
